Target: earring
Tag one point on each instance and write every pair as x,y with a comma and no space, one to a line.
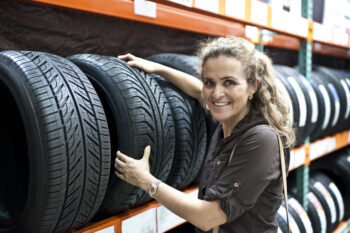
250,97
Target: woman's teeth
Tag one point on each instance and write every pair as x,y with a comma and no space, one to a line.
220,104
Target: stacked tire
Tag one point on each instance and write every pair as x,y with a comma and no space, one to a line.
324,212
319,106
65,120
55,145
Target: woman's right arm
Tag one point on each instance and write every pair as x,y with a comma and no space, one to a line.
185,82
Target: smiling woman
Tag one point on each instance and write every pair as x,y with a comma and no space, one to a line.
241,183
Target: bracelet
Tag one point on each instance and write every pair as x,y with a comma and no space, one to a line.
152,188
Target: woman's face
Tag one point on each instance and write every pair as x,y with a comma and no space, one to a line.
225,89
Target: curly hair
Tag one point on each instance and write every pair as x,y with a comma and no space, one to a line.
267,99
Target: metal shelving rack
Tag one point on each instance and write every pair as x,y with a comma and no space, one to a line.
216,17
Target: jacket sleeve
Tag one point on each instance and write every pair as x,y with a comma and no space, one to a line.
254,165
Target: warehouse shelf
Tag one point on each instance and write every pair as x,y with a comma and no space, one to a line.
156,217
216,18
344,227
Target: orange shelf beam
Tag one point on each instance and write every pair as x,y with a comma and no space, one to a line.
167,16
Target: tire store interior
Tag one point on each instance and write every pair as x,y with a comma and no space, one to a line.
68,104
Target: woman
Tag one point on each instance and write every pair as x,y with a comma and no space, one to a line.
241,186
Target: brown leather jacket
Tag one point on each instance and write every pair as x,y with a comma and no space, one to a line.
249,184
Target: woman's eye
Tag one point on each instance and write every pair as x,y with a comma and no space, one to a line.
229,83
208,83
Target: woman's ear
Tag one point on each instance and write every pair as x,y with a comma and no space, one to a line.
256,84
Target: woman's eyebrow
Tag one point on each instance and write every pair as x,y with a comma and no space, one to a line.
228,77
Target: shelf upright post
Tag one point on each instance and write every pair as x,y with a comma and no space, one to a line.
260,46
305,68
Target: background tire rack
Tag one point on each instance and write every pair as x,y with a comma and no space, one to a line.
201,17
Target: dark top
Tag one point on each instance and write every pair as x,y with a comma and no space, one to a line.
249,186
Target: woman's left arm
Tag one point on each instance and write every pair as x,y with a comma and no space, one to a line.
203,214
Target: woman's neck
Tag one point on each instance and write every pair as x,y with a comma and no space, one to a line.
228,126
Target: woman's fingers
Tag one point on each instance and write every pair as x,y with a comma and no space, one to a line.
119,175
146,153
122,156
127,56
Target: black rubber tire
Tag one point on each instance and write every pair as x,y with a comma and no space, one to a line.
313,105
294,228
185,63
294,107
56,174
316,214
337,167
335,193
304,120
191,135
325,109
190,65
139,115
281,224
344,79
317,10
320,191
300,216
339,97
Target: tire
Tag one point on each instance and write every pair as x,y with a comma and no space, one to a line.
300,216
337,167
335,193
58,170
305,110
282,87
189,65
312,102
325,109
326,200
139,115
316,214
294,228
282,225
185,63
191,135
339,96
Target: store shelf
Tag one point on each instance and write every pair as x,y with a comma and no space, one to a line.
344,227
151,217
216,17
304,154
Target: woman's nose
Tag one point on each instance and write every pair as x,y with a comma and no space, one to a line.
218,92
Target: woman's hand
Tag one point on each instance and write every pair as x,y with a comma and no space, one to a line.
142,64
135,172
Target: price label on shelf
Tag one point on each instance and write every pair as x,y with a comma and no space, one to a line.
258,12
167,219
299,159
331,143
318,32
340,37
318,148
145,8
107,230
291,160
235,8
278,18
296,25
140,223
183,2
208,5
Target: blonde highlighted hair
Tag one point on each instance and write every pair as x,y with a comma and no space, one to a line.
267,99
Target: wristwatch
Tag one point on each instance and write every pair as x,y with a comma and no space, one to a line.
152,189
